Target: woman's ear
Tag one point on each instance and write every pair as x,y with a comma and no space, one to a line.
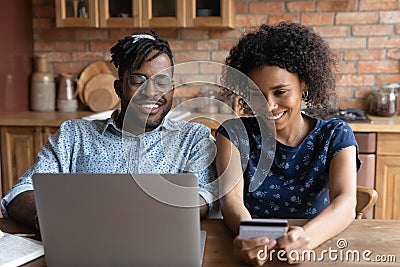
118,87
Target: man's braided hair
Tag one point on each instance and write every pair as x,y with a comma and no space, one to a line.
132,51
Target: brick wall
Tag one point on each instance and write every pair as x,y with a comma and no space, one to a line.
365,34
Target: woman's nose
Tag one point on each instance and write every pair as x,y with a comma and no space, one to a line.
272,104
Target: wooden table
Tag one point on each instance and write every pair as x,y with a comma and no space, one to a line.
380,237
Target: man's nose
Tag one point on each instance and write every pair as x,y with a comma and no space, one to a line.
150,89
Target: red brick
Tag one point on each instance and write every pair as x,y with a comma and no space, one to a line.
219,56
194,34
338,5
379,5
390,17
58,57
87,56
266,7
333,31
167,33
70,46
347,43
344,102
347,68
397,29
193,78
300,6
317,19
338,53
364,54
90,34
226,45
54,35
211,68
42,2
241,7
101,45
182,45
41,23
355,80
186,68
356,18
192,55
43,11
207,45
275,19
43,46
372,30
115,35
378,66
387,78
363,92
224,34
393,54
344,91
384,42
248,20
69,67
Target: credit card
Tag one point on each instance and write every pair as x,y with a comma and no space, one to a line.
271,228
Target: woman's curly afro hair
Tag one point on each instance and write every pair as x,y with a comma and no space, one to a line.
293,47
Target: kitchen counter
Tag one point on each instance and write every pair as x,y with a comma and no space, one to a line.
378,124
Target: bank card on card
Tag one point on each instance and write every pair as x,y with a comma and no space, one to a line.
271,228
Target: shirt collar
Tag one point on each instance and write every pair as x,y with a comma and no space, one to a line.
166,123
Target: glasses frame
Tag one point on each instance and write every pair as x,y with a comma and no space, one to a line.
142,85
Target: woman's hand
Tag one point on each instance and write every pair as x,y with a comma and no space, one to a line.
254,250
294,243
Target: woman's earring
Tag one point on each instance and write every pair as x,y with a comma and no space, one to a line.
304,96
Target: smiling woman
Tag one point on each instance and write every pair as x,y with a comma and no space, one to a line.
313,166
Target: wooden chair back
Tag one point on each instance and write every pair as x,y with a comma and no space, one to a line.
366,199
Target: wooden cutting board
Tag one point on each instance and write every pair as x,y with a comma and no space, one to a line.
99,93
89,72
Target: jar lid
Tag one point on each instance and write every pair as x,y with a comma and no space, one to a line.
391,86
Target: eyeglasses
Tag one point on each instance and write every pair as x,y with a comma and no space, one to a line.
162,82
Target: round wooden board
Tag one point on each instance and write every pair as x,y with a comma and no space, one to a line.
89,72
99,93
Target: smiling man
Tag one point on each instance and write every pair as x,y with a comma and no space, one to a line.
155,144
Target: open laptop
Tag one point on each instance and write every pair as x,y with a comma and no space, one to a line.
109,220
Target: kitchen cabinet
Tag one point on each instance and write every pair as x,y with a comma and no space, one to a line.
19,147
145,13
77,13
22,135
387,181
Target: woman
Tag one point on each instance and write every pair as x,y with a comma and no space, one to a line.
314,165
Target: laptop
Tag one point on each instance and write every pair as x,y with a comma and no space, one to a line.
119,219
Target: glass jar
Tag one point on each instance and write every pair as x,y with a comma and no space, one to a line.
383,102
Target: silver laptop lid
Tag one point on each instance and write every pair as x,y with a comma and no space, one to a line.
108,220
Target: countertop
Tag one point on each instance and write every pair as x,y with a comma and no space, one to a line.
378,124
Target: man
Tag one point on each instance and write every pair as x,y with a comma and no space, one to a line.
137,137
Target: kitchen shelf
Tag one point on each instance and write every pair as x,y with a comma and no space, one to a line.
145,13
76,13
